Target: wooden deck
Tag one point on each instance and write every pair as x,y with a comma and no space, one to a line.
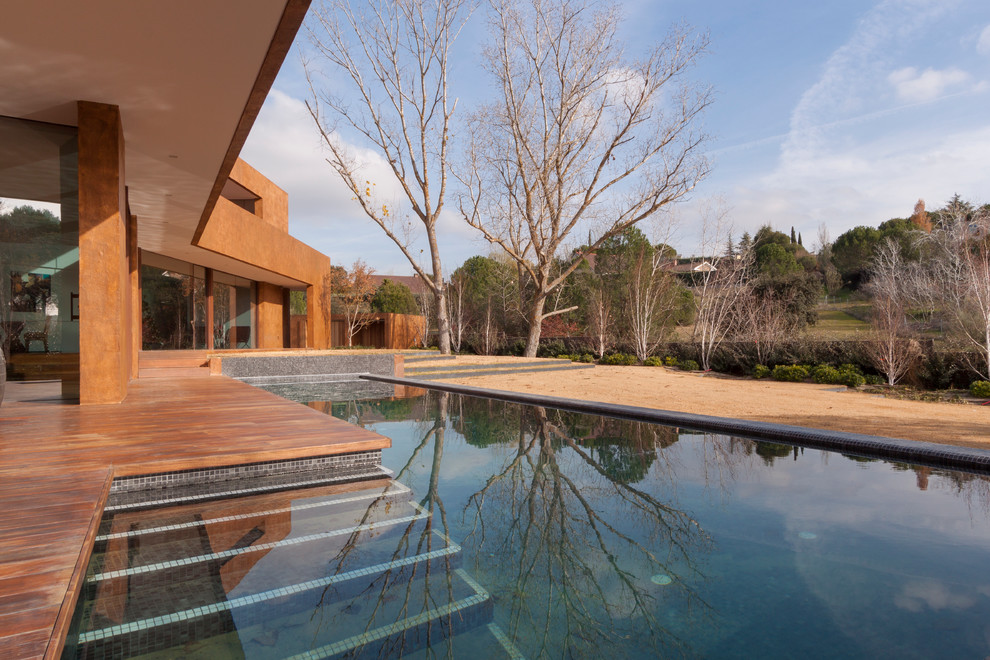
57,460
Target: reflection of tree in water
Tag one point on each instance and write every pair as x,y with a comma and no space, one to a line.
417,537
624,449
573,545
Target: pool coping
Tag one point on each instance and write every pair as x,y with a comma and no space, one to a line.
919,452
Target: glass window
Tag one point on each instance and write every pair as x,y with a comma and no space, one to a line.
173,304
39,248
233,311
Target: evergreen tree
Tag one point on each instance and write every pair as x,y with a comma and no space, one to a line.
394,298
745,243
793,235
799,240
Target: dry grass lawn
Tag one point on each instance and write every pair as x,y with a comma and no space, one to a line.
817,406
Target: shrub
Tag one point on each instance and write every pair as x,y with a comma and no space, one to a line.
980,388
565,356
550,348
825,374
618,359
517,348
688,365
761,371
653,361
873,379
670,361
587,358
851,378
794,373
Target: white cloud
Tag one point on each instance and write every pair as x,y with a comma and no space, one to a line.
916,86
855,156
983,43
848,83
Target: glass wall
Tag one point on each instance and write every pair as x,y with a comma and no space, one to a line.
233,311
39,249
175,306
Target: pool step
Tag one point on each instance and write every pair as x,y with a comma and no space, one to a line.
416,593
219,488
413,358
441,372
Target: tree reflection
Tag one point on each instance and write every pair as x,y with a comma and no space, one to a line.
574,544
407,589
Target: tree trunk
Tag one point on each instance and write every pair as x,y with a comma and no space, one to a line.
443,322
535,319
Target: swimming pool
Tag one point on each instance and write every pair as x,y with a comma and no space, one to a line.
518,531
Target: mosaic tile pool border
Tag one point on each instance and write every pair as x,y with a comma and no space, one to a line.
214,619
951,457
178,478
246,366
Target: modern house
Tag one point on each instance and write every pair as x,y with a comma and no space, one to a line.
127,220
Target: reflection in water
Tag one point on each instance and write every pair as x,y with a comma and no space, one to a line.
607,536
573,545
513,531
398,594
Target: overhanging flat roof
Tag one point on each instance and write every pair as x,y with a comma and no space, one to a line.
189,79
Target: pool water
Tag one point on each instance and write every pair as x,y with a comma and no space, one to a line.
515,531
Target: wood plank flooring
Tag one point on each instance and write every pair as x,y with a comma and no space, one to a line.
56,462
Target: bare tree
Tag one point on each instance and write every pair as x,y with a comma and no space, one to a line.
763,322
890,348
651,300
960,274
456,311
579,138
352,291
427,305
722,283
600,320
395,55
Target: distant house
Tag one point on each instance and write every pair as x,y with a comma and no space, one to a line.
693,267
414,282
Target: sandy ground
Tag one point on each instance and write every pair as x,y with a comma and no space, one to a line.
801,404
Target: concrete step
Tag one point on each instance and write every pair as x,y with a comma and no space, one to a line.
419,357
173,372
498,366
489,370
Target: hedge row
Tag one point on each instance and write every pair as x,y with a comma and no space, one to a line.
938,370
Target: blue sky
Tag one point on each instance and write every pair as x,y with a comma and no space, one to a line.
843,113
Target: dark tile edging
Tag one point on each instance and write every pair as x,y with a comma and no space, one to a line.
221,473
869,446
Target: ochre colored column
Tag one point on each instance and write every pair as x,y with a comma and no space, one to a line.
134,268
269,315
286,318
318,313
104,343
210,310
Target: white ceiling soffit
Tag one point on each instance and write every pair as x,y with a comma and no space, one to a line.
181,73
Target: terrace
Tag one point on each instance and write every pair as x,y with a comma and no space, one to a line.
57,462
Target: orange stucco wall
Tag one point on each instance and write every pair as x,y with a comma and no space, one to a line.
265,242
273,203
269,316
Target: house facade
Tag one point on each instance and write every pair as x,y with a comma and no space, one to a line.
127,220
